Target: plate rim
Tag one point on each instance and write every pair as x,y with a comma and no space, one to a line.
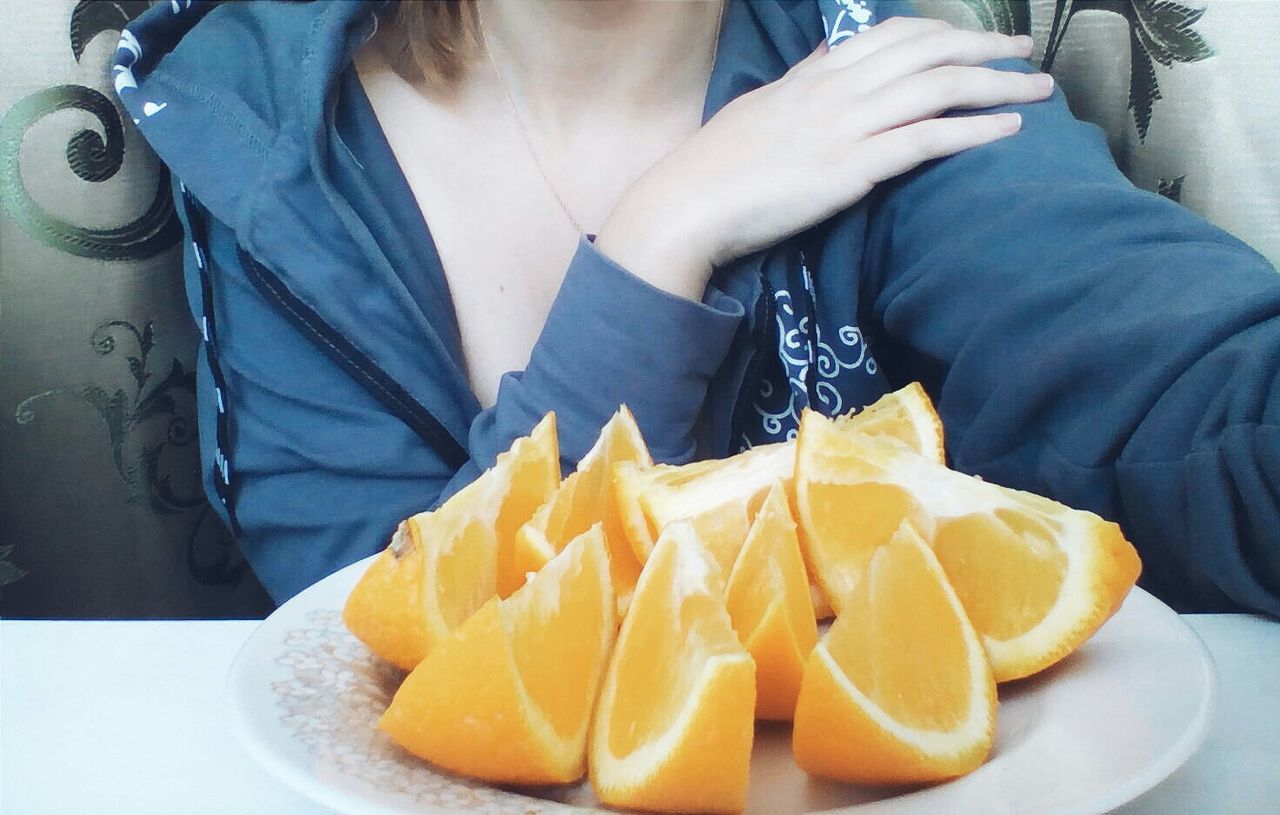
1187,744
296,778
1105,800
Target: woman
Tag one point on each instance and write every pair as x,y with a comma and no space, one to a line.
802,247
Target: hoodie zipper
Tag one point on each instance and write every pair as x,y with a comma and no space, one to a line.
385,389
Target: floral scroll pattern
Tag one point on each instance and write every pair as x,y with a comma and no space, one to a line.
92,156
149,419
149,473
811,363
1160,31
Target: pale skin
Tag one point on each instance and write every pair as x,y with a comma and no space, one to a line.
611,93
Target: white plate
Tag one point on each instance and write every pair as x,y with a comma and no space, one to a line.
1108,723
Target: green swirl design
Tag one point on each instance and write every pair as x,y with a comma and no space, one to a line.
92,158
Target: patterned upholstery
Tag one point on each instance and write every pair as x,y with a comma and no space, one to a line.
100,501
1184,89
100,509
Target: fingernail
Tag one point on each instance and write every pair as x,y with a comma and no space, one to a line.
1010,122
1024,41
1043,81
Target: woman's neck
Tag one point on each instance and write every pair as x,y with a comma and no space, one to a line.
635,55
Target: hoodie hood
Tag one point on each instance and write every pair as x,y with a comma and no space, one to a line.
238,100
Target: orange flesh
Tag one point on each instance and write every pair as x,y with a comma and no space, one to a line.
458,590
880,508
529,489
549,665
567,516
658,661
1011,550
765,572
910,661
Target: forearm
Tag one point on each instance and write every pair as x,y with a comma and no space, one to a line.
611,338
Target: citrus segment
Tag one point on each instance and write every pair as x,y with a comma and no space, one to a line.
1061,574
907,415
531,470
385,609
674,725
899,690
443,565
1037,578
768,602
723,493
508,697
585,498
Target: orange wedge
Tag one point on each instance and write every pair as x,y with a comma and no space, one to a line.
907,415
1062,573
899,690
720,495
508,697
710,493
443,565
584,499
840,525
385,610
1037,578
768,601
674,725
533,477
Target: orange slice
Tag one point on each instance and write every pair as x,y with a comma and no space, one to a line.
507,698
674,725
533,477
1037,578
586,498
840,525
899,690
768,601
907,415
720,495
443,565
385,609
711,492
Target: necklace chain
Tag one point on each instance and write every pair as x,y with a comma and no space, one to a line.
524,132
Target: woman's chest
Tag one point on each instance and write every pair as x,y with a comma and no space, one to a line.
501,214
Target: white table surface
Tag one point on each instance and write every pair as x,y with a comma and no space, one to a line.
128,718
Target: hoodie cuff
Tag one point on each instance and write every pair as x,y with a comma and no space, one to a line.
612,338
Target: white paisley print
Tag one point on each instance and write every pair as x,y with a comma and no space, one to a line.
784,391
844,18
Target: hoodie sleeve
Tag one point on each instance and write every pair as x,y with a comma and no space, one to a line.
610,339
317,471
1095,343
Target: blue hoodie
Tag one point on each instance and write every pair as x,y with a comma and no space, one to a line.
1083,339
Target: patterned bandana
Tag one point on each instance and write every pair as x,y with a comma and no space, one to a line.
814,354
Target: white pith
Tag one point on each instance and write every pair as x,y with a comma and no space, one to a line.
935,743
946,494
543,590
694,574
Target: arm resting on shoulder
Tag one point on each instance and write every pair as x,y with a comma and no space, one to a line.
1095,343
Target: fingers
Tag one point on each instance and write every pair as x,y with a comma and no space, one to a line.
933,50
817,54
891,32
894,152
926,95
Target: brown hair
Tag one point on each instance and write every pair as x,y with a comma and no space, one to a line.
430,40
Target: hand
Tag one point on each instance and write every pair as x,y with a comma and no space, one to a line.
790,154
